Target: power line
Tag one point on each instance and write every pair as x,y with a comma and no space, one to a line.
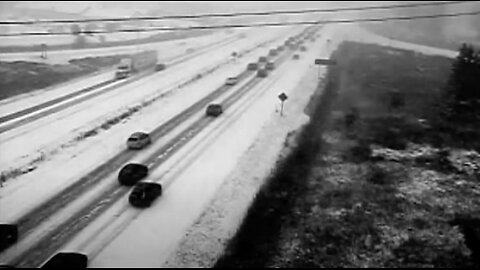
136,30
212,15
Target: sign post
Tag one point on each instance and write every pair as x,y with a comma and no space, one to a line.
324,62
282,98
43,48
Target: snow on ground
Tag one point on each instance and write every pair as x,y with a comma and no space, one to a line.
23,101
77,160
38,137
192,178
356,33
205,241
63,56
166,51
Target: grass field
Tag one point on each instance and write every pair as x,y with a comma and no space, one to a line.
372,182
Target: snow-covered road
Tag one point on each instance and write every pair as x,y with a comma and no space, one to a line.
49,179
37,137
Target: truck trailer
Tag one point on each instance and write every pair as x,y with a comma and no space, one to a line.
136,63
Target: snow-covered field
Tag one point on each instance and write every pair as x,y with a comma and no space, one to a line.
164,48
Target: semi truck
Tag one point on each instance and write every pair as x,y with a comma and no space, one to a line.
136,63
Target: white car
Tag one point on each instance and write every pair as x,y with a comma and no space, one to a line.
138,140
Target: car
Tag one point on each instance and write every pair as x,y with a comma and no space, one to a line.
231,81
67,260
280,48
296,56
132,173
144,193
262,59
270,66
214,110
160,67
273,52
262,73
252,66
303,48
138,140
8,235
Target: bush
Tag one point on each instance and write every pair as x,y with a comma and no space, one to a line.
377,175
360,152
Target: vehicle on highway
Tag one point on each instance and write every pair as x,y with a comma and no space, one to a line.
8,235
270,66
67,260
160,67
214,110
273,52
132,173
296,56
280,48
262,73
144,193
136,63
252,66
262,59
303,48
138,140
231,81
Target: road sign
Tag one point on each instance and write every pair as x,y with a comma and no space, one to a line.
282,98
43,52
326,62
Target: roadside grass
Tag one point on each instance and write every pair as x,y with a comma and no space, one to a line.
381,190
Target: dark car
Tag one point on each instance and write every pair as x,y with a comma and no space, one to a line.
262,73
296,56
159,67
132,173
252,66
144,193
214,110
138,140
231,81
270,66
8,235
67,260
262,59
273,52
